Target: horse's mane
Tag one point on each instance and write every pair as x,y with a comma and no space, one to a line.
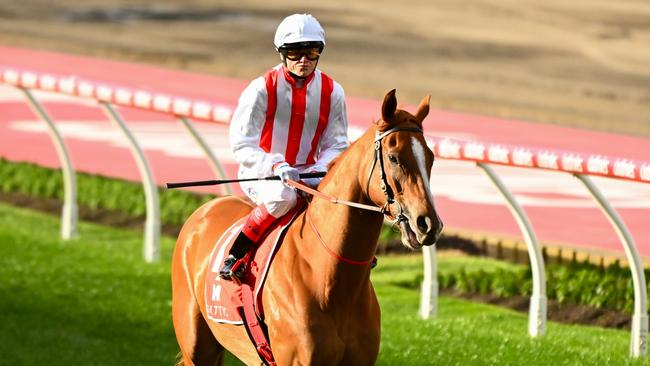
337,159
400,115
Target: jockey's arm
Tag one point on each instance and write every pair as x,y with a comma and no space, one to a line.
245,131
335,137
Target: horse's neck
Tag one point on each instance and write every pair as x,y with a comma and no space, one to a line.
350,232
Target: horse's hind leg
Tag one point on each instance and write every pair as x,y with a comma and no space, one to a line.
198,345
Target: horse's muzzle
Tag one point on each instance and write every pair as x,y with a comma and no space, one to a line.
423,231
428,229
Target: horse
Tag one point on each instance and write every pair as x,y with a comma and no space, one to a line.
321,308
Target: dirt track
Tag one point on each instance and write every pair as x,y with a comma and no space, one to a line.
583,64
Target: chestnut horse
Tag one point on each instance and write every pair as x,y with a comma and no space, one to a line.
320,307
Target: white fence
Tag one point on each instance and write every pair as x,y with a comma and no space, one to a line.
481,154
579,165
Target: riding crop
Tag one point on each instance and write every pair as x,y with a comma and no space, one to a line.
294,184
224,181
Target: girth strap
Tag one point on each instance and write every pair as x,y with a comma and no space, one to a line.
254,328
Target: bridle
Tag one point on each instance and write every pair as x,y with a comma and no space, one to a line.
385,187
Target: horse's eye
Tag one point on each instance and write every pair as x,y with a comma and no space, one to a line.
392,159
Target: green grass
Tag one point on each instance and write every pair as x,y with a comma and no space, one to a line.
87,301
97,192
466,333
93,301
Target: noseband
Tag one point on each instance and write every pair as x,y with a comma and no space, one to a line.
387,189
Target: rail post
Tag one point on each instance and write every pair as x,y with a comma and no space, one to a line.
152,223
538,301
639,336
214,162
70,210
429,293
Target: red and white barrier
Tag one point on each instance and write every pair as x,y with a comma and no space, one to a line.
481,153
116,94
556,160
517,156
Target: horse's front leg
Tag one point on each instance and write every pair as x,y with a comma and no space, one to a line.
298,344
299,332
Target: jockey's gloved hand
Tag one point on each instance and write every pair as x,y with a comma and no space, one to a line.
286,172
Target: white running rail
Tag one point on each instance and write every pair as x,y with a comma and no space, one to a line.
109,97
481,154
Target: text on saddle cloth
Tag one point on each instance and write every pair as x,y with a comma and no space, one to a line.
222,297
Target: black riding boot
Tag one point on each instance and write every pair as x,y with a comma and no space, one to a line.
240,247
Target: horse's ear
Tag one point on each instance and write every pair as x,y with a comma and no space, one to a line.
389,106
423,109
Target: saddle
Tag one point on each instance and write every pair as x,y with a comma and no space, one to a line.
241,304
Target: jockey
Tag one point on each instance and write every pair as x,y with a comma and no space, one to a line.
290,121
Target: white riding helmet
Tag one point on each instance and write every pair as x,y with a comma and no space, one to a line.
301,30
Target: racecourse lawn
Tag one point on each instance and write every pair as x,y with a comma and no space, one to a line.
93,301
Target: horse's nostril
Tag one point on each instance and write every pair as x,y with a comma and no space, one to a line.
424,224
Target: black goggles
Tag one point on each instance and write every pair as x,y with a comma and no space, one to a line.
295,54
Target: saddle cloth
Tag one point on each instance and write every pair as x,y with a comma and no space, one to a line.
223,298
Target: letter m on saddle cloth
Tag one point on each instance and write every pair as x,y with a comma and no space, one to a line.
223,299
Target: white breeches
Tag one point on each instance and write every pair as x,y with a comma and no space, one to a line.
276,197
